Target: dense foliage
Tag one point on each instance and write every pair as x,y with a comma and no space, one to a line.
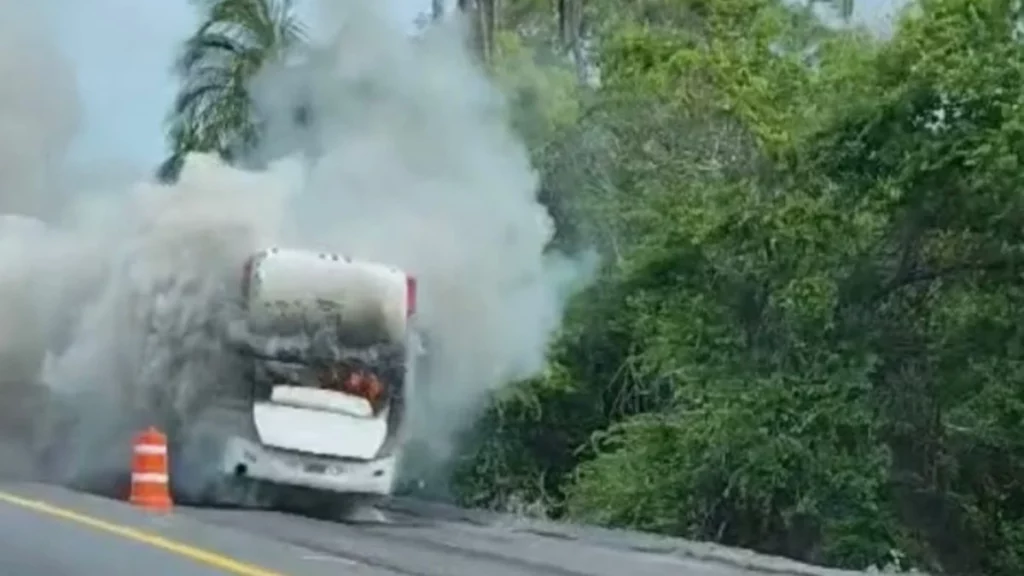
805,337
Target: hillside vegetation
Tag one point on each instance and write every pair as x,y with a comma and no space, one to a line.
805,338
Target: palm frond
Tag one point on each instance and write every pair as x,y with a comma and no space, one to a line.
235,40
206,46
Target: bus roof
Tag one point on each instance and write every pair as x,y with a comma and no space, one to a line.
363,300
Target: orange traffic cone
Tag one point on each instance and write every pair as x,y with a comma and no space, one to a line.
149,471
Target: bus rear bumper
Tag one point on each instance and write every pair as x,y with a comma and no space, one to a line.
248,459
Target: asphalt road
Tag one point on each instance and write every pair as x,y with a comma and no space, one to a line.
33,543
47,530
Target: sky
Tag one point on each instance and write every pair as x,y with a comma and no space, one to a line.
123,49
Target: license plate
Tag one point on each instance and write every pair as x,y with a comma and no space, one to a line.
316,468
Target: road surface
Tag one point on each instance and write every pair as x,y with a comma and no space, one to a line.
50,531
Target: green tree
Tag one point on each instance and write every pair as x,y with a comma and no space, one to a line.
804,337
803,341
214,110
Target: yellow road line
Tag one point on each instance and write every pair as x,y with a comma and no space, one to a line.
199,555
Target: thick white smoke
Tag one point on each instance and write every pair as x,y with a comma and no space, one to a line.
144,346
416,165
410,162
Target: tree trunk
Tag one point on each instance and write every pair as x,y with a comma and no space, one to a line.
482,16
570,23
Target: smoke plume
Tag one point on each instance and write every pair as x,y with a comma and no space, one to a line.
409,160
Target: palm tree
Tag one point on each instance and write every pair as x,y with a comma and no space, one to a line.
214,111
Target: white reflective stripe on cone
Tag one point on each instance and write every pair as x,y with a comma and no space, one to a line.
150,449
149,477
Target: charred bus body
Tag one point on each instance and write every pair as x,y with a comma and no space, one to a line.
328,348
304,372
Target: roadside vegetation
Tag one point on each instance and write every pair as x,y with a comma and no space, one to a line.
806,338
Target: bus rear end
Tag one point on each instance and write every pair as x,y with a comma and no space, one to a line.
330,347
